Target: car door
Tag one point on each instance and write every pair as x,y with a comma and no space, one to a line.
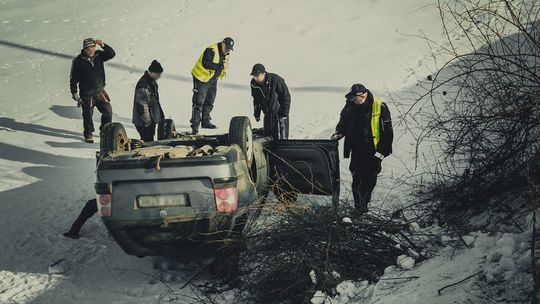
306,166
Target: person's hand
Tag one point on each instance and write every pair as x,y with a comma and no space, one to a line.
226,65
336,136
257,118
100,42
77,98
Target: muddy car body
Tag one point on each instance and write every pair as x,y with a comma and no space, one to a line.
181,195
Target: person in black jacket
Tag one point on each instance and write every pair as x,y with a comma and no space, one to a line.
147,111
366,124
89,209
88,72
271,96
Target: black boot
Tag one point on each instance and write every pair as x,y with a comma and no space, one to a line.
361,206
71,235
208,125
89,138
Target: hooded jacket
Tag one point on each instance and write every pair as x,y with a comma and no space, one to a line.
355,125
89,74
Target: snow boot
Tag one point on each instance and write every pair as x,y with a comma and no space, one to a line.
208,125
71,235
89,138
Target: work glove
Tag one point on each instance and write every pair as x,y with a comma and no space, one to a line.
257,118
336,136
77,98
379,156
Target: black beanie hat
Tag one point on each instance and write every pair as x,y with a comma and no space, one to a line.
155,67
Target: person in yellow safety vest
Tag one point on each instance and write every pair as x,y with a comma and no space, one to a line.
212,65
366,124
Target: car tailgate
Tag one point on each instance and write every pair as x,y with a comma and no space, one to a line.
155,199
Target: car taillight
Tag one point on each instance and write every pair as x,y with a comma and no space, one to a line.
226,199
104,204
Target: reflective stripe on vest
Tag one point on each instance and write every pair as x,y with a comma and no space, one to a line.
204,74
376,121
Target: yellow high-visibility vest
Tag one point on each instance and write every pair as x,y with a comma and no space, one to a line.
376,121
204,74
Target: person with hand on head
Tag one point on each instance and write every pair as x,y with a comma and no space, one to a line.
212,65
271,96
88,73
147,111
366,125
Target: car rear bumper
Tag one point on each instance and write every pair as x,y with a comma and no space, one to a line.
179,237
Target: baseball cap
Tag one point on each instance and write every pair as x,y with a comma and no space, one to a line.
257,69
88,42
229,43
356,89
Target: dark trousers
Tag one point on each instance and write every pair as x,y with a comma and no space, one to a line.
204,94
87,212
364,170
104,107
147,133
275,127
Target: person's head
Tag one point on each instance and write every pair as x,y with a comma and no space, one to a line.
258,72
358,94
89,47
155,70
227,45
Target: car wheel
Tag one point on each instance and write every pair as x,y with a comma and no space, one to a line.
259,170
240,133
166,129
113,138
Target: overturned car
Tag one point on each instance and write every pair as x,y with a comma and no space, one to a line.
182,194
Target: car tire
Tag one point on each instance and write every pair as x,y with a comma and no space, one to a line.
240,133
259,170
113,138
166,129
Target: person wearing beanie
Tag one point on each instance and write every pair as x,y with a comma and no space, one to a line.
88,76
212,65
366,124
147,111
271,96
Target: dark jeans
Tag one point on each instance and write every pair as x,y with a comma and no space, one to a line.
275,127
364,170
87,212
103,106
204,94
147,133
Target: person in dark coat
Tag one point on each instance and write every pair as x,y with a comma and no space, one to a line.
271,96
366,124
212,65
147,111
88,73
89,209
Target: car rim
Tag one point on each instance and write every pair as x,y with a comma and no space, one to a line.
122,141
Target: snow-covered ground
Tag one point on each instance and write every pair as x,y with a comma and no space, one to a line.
47,172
